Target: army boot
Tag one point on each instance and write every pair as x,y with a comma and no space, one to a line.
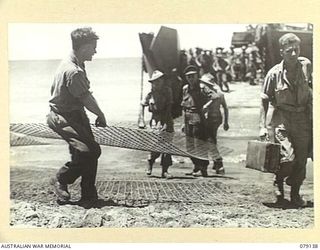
165,173
279,190
295,198
204,171
195,170
218,166
61,190
149,167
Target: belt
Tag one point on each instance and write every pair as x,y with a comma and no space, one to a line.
191,110
55,110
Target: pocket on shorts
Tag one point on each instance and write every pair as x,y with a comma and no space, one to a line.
56,120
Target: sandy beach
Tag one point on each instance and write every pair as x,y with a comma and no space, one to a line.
242,198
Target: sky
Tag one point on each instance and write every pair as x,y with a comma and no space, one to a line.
32,41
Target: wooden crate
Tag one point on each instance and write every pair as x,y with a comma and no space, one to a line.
263,156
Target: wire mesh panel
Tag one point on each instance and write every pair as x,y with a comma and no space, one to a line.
157,191
24,140
163,142
131,191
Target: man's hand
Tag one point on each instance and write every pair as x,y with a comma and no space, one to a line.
205,107
183,128
263,134
226,126
163,128
101,121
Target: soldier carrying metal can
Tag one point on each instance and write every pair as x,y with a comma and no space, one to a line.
286,116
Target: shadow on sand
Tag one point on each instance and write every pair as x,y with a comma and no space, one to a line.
100,203
286,204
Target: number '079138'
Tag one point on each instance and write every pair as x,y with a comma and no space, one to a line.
308,246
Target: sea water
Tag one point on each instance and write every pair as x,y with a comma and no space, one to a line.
115,83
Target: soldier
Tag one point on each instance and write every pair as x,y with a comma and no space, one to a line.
244,61
193,59
194,97
160,101
232,57
221,67
183,62
214,117
70,93
174,81
287,114
254,62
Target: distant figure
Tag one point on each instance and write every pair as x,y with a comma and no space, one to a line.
214,117
193,60
221,66
244,61
286,116
254,63
206,61
183,62
231,58
160,101
70,94
237,67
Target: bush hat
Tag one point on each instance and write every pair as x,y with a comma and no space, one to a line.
190,70
156,75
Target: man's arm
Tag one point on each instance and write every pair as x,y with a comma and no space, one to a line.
141,122
91,104
78,87
226,113
266,94
263,113
143,104
168,112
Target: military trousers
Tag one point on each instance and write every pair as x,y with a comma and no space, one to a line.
292,131
197,131
212,130
166,160
74,128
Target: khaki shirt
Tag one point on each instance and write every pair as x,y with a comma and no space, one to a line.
160,105
192,113
214,111
285,96
70,84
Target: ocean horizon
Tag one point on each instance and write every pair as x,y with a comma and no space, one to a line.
115,83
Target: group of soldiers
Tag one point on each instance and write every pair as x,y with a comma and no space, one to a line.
200,101
286,114
197,90
243,64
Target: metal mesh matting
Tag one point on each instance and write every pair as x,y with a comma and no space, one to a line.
133,192
24,140
171,143
138,191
